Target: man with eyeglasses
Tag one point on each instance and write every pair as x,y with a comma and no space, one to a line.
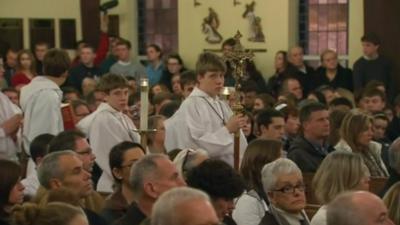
76,141
283,182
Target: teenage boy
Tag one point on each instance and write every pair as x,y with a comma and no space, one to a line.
372,101
125,66
41,99
372,66
108,125
203,120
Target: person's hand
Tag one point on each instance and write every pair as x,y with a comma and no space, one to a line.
235,123
12,125
104,23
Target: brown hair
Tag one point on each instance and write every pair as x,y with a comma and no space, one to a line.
10,172
56,62
110,81
32,69
53,213
353,124
209,62
258,153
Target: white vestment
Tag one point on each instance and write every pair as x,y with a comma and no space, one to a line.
105,128
8,146
41,103
199,123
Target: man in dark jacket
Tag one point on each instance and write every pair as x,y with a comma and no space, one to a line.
309,149
151,176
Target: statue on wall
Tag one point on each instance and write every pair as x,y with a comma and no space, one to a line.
255,29
210,27
196,3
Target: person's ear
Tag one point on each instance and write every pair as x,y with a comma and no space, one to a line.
55,184
117,173
151,190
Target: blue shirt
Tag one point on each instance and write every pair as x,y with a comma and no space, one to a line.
154,74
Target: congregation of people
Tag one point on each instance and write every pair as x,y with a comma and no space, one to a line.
334,125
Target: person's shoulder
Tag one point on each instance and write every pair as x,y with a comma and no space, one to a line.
360,61
268,219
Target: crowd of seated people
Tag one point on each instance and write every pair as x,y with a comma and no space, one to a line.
336,125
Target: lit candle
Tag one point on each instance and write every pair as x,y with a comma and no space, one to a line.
225,91
144,103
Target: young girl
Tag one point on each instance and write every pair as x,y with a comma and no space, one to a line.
26,69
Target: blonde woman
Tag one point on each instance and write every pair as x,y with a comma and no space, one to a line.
356,136
350,173
391,200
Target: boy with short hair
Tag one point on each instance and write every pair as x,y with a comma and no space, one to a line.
187,81
203,120
372,66
40,100
372,101
124,66
108,125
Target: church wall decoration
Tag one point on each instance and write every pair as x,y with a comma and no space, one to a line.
210,27
255,33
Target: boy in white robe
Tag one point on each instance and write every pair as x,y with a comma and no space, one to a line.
203,120
40,100
109,126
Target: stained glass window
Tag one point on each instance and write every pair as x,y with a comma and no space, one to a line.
158,24
323,24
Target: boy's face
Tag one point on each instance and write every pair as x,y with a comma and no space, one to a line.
369,49
211,82
123,52
373,104
379,128
187,89
118,98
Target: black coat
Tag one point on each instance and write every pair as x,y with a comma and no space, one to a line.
304,154
343,78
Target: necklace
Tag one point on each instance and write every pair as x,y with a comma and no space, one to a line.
215,110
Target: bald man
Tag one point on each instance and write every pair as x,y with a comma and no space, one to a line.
357,208
300,69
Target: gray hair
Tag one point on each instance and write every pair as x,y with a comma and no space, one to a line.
344,211
271,171
50,167
394,155
144,168
165,209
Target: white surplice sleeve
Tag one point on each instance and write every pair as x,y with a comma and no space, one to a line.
207,130
106,131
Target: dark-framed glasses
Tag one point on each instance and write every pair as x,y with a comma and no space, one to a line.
291,189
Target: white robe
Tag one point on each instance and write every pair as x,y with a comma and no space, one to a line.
105,128
197,125
41,103
8,147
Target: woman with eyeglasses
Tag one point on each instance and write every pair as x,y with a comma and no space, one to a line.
283,183
122,157
350,173
251,206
